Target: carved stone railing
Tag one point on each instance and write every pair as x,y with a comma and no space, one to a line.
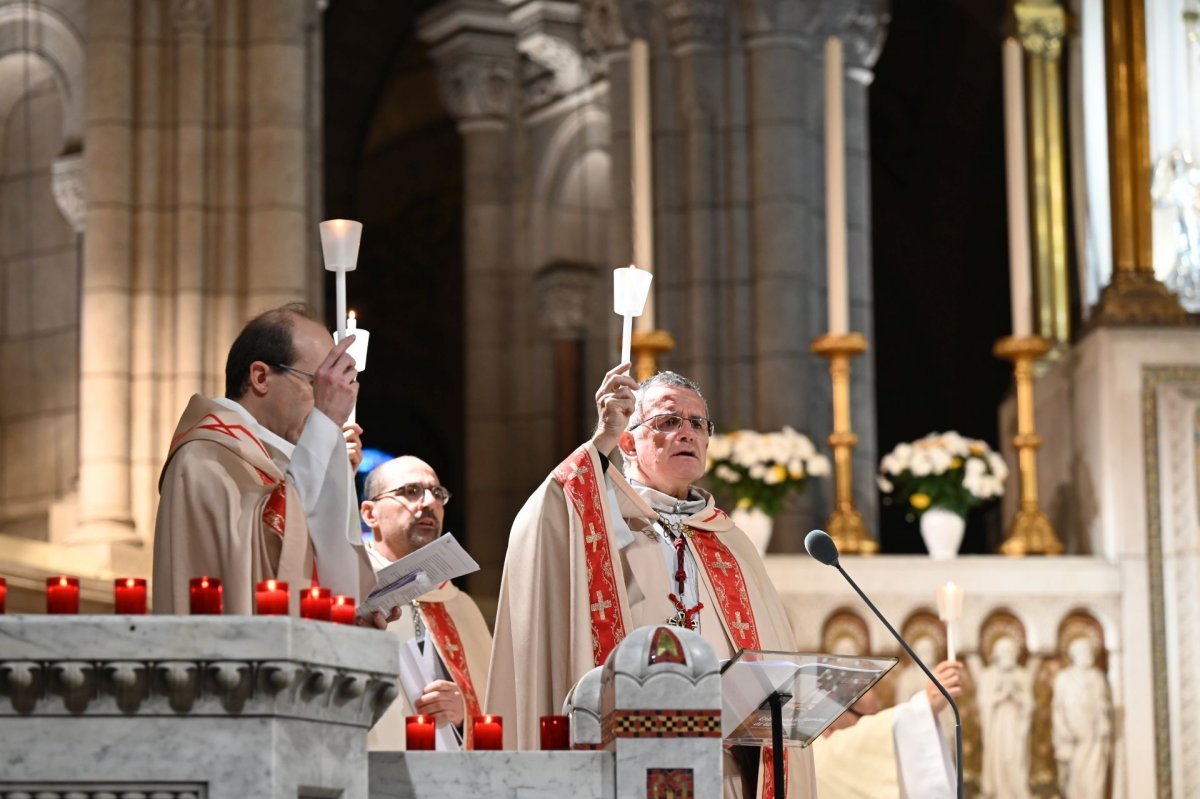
168,706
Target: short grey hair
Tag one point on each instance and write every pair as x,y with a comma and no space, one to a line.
665,379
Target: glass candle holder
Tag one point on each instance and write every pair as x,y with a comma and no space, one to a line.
419,733
556,733
3,594
488,732
342,610
129,596
205,596
62,594
271,598
316,602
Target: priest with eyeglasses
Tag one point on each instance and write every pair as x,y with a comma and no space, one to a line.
596,553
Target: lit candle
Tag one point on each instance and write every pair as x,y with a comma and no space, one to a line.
556,733
271,598
631,287
129,595
62,594
835,189
339,243
950,605
488,732
205,596
1018,190
3,594
316,603
419,733
342,610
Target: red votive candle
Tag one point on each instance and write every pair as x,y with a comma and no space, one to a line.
488,732
418,733
316,603
129,595
62,594
3,594
342,610
556,733
271,598
205,597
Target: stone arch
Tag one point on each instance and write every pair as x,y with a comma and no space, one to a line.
50,40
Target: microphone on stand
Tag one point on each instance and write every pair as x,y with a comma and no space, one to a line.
822,548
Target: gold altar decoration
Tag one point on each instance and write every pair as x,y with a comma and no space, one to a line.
647,347
845,524
1134,296
1041,27
1030,532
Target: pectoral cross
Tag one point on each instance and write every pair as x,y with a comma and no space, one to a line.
738,624
592,537
601,605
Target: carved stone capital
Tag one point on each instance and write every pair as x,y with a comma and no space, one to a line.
862,27
474,45
191,17
548,36
1041,27
696,22
564,291
68,181
766,18
608,25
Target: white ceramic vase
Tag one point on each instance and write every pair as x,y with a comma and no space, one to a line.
756,525
943,532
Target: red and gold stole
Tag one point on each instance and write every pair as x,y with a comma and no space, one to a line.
584,491
733,604
448,643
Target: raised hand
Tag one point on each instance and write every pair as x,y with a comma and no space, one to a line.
335,385
950,674
615,403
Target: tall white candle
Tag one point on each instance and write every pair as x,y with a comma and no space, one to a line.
835,189
1018,190
643,179
950,605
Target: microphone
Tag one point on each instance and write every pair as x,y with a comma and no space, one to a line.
823,549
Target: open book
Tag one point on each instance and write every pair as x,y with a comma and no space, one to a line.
417,573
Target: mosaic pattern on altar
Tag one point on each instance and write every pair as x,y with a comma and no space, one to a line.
662,724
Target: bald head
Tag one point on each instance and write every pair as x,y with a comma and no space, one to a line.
402,506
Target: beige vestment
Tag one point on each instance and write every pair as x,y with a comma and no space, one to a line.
472,638
229,509
543,641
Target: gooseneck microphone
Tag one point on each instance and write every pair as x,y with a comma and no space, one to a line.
822,548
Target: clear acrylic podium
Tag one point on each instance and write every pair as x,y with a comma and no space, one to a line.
787,699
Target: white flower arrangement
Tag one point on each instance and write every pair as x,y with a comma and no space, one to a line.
760,470
943,470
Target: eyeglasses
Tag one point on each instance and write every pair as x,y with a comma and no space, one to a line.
670,422
310,375
415,492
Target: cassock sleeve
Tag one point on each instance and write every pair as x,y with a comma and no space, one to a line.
530,670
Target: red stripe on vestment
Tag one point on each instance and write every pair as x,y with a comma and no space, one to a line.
581,485
450,648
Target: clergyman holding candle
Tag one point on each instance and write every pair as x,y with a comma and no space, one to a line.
257,484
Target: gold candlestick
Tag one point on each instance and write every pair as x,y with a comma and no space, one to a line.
845,524
647,346
1030,532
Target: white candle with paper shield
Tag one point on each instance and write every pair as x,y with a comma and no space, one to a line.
339,244
631,286
950,606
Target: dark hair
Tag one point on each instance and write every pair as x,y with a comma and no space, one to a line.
267,338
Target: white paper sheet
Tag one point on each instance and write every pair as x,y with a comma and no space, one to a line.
417,573
417,670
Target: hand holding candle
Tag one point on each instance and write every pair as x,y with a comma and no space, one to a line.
631,286
950,605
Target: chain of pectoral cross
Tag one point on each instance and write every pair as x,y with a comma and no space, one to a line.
418,622
684,616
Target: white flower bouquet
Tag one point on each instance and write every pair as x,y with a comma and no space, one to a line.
942,470
760,470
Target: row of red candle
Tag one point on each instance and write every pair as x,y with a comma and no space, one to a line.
205,593
487,733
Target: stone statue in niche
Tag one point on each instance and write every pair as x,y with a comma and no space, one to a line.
1004,698
1082,724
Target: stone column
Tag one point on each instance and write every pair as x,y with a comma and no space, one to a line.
105,301
697,30
565,292
473,44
